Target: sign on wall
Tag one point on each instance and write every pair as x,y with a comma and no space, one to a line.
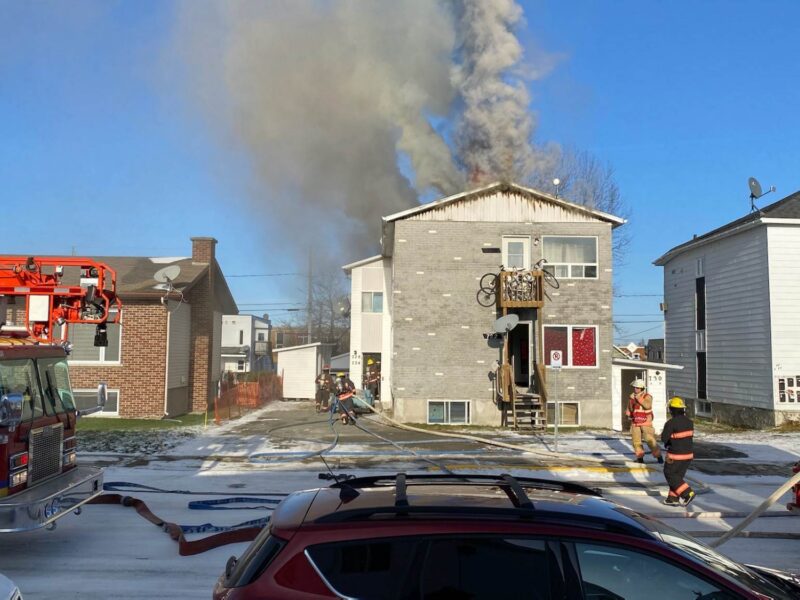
556,359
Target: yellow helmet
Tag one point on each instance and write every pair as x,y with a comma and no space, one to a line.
340,374
677,402
370,361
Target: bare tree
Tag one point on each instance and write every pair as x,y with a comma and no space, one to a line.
587,181
330,310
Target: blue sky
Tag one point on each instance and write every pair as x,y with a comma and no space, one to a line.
685,100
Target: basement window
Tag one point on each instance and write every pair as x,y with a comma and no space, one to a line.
448,412
86,399
569,414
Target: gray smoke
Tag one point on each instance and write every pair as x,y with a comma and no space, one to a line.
325,96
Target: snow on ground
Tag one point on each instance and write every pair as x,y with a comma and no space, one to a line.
110,550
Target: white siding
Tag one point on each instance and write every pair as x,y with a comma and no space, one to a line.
299,369
784,286
737,320
505,207
180,329
386,350
216,346
366,329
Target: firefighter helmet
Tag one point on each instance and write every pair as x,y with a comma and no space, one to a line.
370,361
638,383
340,374
677,402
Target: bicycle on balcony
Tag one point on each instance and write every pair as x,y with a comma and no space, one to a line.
520,284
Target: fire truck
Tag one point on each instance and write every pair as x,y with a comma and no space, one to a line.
40,299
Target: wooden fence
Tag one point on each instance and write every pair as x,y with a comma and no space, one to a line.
237,399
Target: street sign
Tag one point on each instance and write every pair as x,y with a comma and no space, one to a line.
556,358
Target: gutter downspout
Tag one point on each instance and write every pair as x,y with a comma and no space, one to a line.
166,361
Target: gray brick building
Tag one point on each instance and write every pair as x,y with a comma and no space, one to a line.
436,365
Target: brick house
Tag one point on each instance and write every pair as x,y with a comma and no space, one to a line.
163,358
414,306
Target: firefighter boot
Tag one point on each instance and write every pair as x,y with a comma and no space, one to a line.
660,459
672,500
640,459
687,497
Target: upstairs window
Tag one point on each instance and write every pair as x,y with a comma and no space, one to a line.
516,252
571,257
372,302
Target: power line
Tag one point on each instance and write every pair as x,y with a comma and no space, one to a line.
265,275
630,335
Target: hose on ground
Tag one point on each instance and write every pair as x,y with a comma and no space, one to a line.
795,479
699,486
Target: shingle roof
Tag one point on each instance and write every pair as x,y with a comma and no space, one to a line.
787,208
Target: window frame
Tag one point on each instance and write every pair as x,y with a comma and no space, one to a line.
102,354
569,266
569,345
447,403
372,310
526,250
99,413
561,413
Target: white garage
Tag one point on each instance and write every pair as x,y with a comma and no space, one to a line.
299,367
624,371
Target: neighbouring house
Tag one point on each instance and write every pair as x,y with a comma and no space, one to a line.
164,356
298,367
625,369
415,307
732,310
286,336
655,350
634,351
340,363
245,344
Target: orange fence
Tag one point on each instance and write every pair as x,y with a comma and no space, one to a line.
237,399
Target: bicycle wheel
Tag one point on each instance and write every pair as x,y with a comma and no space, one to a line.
486,300
550,279
489,283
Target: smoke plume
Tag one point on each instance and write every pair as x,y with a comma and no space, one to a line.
335,103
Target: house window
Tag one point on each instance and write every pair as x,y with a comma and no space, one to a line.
241,337
571,257
701,376
279,339
700,303
448,412
517,252
84,350
372,302
702,408
569,414
578,344
700,267
240,365
86,399
260,336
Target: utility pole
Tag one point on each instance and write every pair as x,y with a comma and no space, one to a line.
308,304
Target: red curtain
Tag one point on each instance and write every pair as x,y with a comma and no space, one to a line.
584,348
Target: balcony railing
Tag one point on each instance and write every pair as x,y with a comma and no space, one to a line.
521,289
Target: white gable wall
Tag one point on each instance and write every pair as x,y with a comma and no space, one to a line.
737,320
784,286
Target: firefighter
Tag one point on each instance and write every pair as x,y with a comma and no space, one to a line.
678,438
345,390
640,412
324,383
372,380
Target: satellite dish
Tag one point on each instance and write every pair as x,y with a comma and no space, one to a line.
755,188
506,324
167,274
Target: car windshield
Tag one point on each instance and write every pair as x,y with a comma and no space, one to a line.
19,377
54,375
723,565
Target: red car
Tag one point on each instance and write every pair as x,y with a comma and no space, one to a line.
439,536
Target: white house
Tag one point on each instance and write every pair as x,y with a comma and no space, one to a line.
732,312
245,344
299,367
370,318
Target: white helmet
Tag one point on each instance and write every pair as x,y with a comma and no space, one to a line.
638,383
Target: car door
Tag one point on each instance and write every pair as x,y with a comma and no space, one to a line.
614,572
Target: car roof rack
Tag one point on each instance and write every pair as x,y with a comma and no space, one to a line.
515,484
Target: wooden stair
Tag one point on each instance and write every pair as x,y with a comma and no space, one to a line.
526,412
